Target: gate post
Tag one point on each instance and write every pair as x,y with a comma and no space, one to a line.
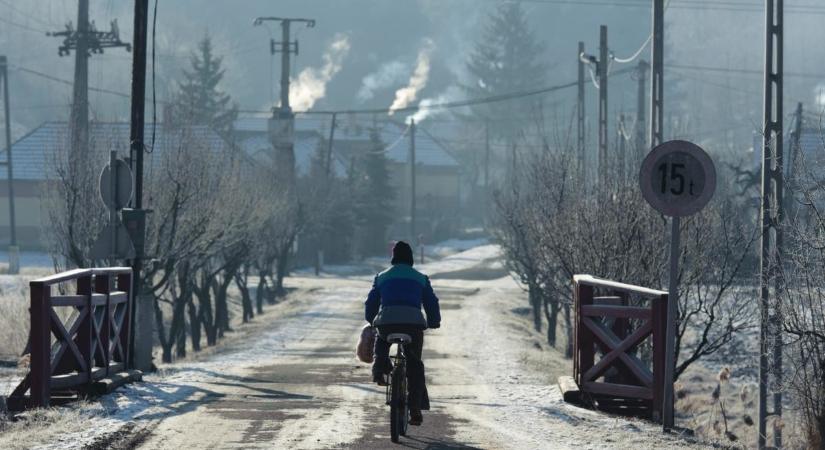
659,318
124,283
41,350
583,336
85,334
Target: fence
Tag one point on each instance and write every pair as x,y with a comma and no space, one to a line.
614,320
69,355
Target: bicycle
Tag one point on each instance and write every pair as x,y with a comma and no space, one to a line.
397,387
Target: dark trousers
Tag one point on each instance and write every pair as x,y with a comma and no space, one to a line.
418,398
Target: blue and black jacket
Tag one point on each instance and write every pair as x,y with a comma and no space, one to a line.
397,296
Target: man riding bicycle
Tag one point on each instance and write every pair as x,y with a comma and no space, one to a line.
394,306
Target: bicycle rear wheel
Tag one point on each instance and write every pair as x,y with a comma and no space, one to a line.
399,412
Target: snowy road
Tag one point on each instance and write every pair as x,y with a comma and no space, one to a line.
299,386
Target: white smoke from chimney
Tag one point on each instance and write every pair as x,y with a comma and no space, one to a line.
406,95
451,94
311,84
388,74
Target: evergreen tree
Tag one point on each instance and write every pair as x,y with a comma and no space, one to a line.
199,99
507,58
374,198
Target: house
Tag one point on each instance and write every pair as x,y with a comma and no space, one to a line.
437,171
35,159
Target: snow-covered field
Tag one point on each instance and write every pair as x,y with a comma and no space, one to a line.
293,381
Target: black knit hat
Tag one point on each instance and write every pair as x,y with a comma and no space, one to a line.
402,254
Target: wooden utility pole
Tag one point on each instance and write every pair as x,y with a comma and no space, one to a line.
641,93
621,157
772,211
603,137
85,41
487,196
412,182
580,117
142,319
328,162
14,260
657,75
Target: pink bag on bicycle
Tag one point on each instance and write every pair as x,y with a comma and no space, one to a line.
366,343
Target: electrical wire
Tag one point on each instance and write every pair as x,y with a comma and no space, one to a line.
448,105
66,82
641,48
25,14
743,71
21,26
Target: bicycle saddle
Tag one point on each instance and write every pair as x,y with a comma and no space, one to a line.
399,338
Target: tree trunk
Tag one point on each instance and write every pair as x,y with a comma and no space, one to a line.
179,327
282,267
194,325
222,298
568,325
165,344
246,301
205,313
259,292
551,313
535,304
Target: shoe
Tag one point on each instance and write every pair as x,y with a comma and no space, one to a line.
415,417
380,380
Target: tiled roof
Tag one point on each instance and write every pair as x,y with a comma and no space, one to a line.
259,148
33,154
395,136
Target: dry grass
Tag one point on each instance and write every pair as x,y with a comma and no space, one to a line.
41,425
721,407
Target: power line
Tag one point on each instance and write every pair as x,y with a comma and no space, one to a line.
21,26
67,82
25,14
448,105
730,6
744,71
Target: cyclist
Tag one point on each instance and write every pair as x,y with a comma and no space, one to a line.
394,306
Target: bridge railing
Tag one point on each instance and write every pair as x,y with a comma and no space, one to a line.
86,341
614,321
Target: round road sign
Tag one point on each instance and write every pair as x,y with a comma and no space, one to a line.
677,178
121,194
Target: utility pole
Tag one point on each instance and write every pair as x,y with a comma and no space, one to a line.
603,138
85,41
657,75
580,118
282,124
622,153
641,145
656,138
486,167
329,145
790,168
770,258
142,317
412,182
14,259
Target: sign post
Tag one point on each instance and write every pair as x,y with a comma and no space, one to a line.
677,179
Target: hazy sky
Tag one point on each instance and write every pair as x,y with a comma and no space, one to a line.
384,41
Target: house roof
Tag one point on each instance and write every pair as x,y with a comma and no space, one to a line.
259,148
33,154
811,147
351,135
